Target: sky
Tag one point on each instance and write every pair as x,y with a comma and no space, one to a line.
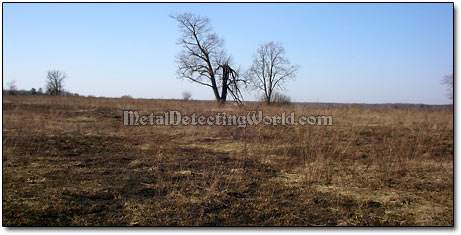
347,52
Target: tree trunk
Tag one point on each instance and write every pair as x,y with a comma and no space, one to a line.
215,88
268,101
268,97
225,78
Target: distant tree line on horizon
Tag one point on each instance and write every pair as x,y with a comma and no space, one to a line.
54,86
33,91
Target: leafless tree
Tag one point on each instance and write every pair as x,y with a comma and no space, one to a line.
270,69
12,87
203,59
448,81
55,82
186,95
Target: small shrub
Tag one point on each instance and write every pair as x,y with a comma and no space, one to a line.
278,98
126,97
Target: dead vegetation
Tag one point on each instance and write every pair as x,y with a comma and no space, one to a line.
70,161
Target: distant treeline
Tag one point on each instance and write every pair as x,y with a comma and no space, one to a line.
34,91
428,107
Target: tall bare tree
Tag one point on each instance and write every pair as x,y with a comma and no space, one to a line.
55,82
203,60
270,69
448,81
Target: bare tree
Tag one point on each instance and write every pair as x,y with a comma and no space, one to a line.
270,69
12,87
55,82
448,81
203,60
186,95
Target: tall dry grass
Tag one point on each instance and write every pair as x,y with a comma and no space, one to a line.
70,161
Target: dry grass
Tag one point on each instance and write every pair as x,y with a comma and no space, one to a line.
70,161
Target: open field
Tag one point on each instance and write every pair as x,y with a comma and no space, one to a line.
70,161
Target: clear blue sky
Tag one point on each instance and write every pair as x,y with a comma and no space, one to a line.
351,53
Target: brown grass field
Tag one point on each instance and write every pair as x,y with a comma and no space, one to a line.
70,161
